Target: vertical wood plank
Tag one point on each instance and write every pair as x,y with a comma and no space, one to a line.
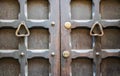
55,38
65,38
97,56
23,58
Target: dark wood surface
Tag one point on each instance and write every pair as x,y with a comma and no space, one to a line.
44,39
8,40
39,39
80,38
38,9
110,9
83,8
9,67
83,15
82,66
9,9
38,67
110,66
110,40
41,53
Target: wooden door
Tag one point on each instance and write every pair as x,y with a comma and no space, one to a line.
90,37
29,38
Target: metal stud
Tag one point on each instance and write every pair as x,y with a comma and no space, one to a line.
66,54
52,54
97,53
22,53
67,25
53,23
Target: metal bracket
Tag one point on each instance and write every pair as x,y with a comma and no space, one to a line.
93,33
20,33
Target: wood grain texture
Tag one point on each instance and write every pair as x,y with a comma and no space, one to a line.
38,67
81,9
110,9
38,9
8,40
82,67
9,67
110,67
81,39
111,38
38,39
9,9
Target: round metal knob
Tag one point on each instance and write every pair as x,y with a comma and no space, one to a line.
52,54
67,25
97,53
22,54
53,23
66,54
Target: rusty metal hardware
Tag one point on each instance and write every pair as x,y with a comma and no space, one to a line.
20,33
52,54
66,54
100,28
68,25
22,54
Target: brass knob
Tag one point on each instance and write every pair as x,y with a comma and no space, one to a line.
67,25
66,54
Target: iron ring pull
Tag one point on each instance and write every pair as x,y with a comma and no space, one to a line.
100,28
19,32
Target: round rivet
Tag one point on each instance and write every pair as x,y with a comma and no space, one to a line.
52,23
53,54
66,54
22,53
67,25
97,53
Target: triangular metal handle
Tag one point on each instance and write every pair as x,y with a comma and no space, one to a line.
97,24
19,29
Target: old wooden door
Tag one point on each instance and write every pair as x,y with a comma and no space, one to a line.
59,37
90,37
35,49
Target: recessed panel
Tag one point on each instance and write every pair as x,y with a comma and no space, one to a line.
110,67
8,40
81,9
82,67
111,38
38,9
9,9
38,39
9,67
81,39
38,67
110,9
